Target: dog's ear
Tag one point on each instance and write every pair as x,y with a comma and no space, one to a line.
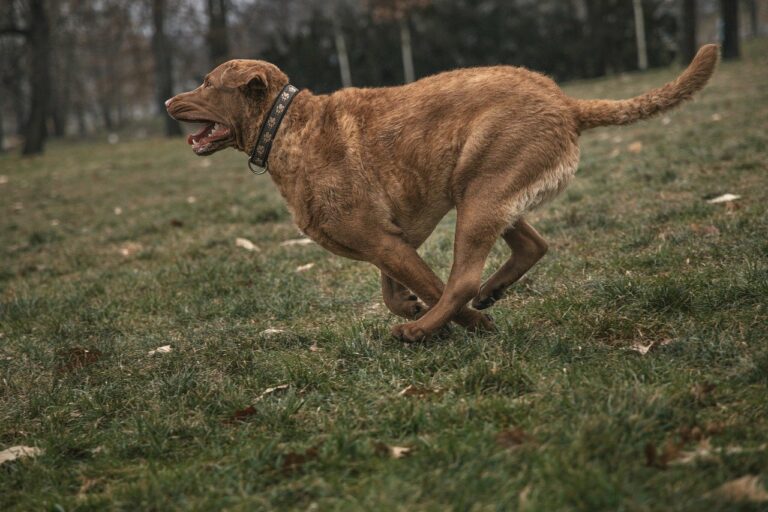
242,75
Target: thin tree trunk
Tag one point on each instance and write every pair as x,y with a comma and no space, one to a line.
642,50
754,18
729,10
343,55
2,132
218,44
407,50
163,67
40,49
688,23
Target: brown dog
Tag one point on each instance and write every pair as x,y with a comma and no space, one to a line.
368,173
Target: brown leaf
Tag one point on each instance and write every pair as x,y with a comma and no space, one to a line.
709,230
176,223
661,460
415,391
246,244
395,452
87,485
294,460
78,357
702,391
635,147
269,391
242,414
746,488
511,438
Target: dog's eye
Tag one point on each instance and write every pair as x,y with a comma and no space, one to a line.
206,83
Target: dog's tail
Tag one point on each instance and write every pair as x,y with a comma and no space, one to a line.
593,113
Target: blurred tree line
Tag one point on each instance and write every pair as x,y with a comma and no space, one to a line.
72,67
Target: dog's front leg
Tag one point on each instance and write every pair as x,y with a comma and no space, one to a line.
399,260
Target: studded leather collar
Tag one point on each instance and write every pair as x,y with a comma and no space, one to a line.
260,153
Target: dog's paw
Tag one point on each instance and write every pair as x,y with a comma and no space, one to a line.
487,299
410,332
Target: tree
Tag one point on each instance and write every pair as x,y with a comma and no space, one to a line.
688,22
729,10
163,65
642,50
37,35
399,10
218,43
39,42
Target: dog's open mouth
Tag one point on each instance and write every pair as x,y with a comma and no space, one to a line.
210,138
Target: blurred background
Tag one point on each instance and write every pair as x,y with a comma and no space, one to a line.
102,68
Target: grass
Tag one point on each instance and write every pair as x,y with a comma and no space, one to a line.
552,412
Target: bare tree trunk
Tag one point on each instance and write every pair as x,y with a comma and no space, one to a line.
729,10
163,67
218,44
2,132
642,50
39,40
343,55
407,50
754,18
688,18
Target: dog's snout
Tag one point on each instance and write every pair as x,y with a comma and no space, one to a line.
168,102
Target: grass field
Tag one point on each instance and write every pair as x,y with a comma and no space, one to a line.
110,251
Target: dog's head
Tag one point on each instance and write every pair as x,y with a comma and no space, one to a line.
230,103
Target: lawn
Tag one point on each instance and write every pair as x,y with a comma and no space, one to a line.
110,251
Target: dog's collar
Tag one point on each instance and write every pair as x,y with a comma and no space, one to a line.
257,162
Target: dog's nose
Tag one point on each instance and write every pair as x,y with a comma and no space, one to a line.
168,102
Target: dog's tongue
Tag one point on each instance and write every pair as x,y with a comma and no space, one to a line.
194,137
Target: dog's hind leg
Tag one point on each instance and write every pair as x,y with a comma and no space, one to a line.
400,300
528,247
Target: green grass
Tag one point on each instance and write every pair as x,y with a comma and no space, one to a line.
637,255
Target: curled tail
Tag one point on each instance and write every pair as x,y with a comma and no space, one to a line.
593,113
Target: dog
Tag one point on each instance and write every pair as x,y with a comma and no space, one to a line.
368,173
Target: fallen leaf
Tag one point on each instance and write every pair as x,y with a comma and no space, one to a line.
702,390
654,458
294,460
395,452
725,198
87,484
705,230
191,199
314,347
269,391
242,414
176,223
419,392
614,153
271,332
160,350
3,179
635,147
644,349
511,438
297,241
304,268
746,488
716,117
118,210
705,452
78,357
246,244
130,248
666,120
18,452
